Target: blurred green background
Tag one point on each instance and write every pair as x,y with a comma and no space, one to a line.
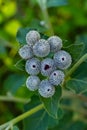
69,22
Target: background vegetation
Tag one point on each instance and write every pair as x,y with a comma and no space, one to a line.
69,21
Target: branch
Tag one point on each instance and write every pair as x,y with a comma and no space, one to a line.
13,99
21,117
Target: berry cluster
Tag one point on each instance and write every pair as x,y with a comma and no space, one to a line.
36,52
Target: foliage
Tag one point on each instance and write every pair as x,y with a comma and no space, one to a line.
67,109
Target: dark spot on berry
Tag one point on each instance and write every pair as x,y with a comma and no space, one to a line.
34,66
54,74
63,58
48,89
46,67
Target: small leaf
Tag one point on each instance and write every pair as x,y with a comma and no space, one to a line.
40,120
55,3
67,123
75,50
51,104
21,35
15,128
83,38
78,81
20,65
13,82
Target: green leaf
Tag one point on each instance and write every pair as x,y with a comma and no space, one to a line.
13,82
75,50
55,3
83,38
15,128
21,35
40,120
68,123
78,81
51,104
20,65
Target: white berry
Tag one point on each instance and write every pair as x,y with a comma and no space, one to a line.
32,37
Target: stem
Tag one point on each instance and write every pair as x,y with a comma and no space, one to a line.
13,99
81,60
47,20
36,109
21,117
42,4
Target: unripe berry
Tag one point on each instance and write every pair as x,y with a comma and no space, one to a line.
32,66
55,43
32,37
56,77
32,83
47,66
46,89
26,52
41,48
62,59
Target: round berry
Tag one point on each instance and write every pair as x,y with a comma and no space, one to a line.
55,43
32,83
32,66
62,59
46,89
26,52
32,37
56,77
47,66
41,48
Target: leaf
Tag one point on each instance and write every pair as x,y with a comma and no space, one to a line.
21,35
20,65
55,3
13,82
71,125
40,120
83,38
78,81
51,104
75,50
15,128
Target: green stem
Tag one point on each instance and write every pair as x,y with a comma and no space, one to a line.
47,20
42,4
34,110
13,99
21,117
81,60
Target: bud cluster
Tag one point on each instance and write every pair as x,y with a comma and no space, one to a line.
36,53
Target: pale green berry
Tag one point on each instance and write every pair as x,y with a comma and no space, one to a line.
56,77
41,48
26,52
33,66
46,90
62,59
32,83
55,43
32,37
